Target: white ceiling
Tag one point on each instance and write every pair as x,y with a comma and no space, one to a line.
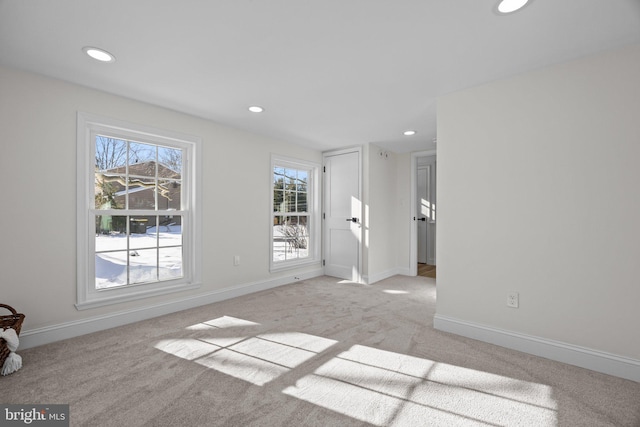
329,73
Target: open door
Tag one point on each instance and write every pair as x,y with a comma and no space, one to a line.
426,210
423,210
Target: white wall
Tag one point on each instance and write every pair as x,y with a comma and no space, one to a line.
404,216
38,224
381,201
539,192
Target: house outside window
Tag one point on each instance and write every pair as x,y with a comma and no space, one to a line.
294,219
137,210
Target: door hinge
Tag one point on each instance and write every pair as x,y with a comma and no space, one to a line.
323,263
323,216
324,169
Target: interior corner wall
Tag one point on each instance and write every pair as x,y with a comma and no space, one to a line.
380,201
38,166
403,213
538,193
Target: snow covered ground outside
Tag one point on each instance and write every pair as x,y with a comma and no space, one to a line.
151,260
156,255
282,250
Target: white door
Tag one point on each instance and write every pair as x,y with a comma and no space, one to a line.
426,215
342,214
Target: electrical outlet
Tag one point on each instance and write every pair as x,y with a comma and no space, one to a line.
513,300
236,260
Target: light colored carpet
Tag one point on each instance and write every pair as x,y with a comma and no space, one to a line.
316,353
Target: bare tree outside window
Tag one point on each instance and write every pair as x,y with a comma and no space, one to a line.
171,158
110,153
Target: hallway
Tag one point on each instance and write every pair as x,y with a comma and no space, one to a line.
426,270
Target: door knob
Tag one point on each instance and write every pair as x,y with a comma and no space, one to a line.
422,219
354,219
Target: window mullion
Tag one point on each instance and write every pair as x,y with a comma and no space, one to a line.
157,239
136,212
126,176
128,256
156,182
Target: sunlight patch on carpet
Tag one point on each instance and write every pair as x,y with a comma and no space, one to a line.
186,348
384,388
255,358
244,367
394,292
221,323
263,358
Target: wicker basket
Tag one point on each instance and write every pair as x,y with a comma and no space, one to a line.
13,321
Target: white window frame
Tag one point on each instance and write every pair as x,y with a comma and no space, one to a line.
313,208
88,125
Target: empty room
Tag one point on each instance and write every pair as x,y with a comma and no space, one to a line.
320,213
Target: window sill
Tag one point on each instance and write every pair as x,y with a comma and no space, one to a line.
289,265
103,298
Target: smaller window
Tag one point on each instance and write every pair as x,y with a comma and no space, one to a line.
294,217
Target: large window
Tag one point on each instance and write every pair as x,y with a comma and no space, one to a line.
137,212
294,213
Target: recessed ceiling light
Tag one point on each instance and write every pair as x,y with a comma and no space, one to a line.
409,132
509,6
99,54
256,109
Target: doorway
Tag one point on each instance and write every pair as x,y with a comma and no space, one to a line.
423,212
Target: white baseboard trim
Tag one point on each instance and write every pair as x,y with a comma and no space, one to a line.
583,357
48,334
404,271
